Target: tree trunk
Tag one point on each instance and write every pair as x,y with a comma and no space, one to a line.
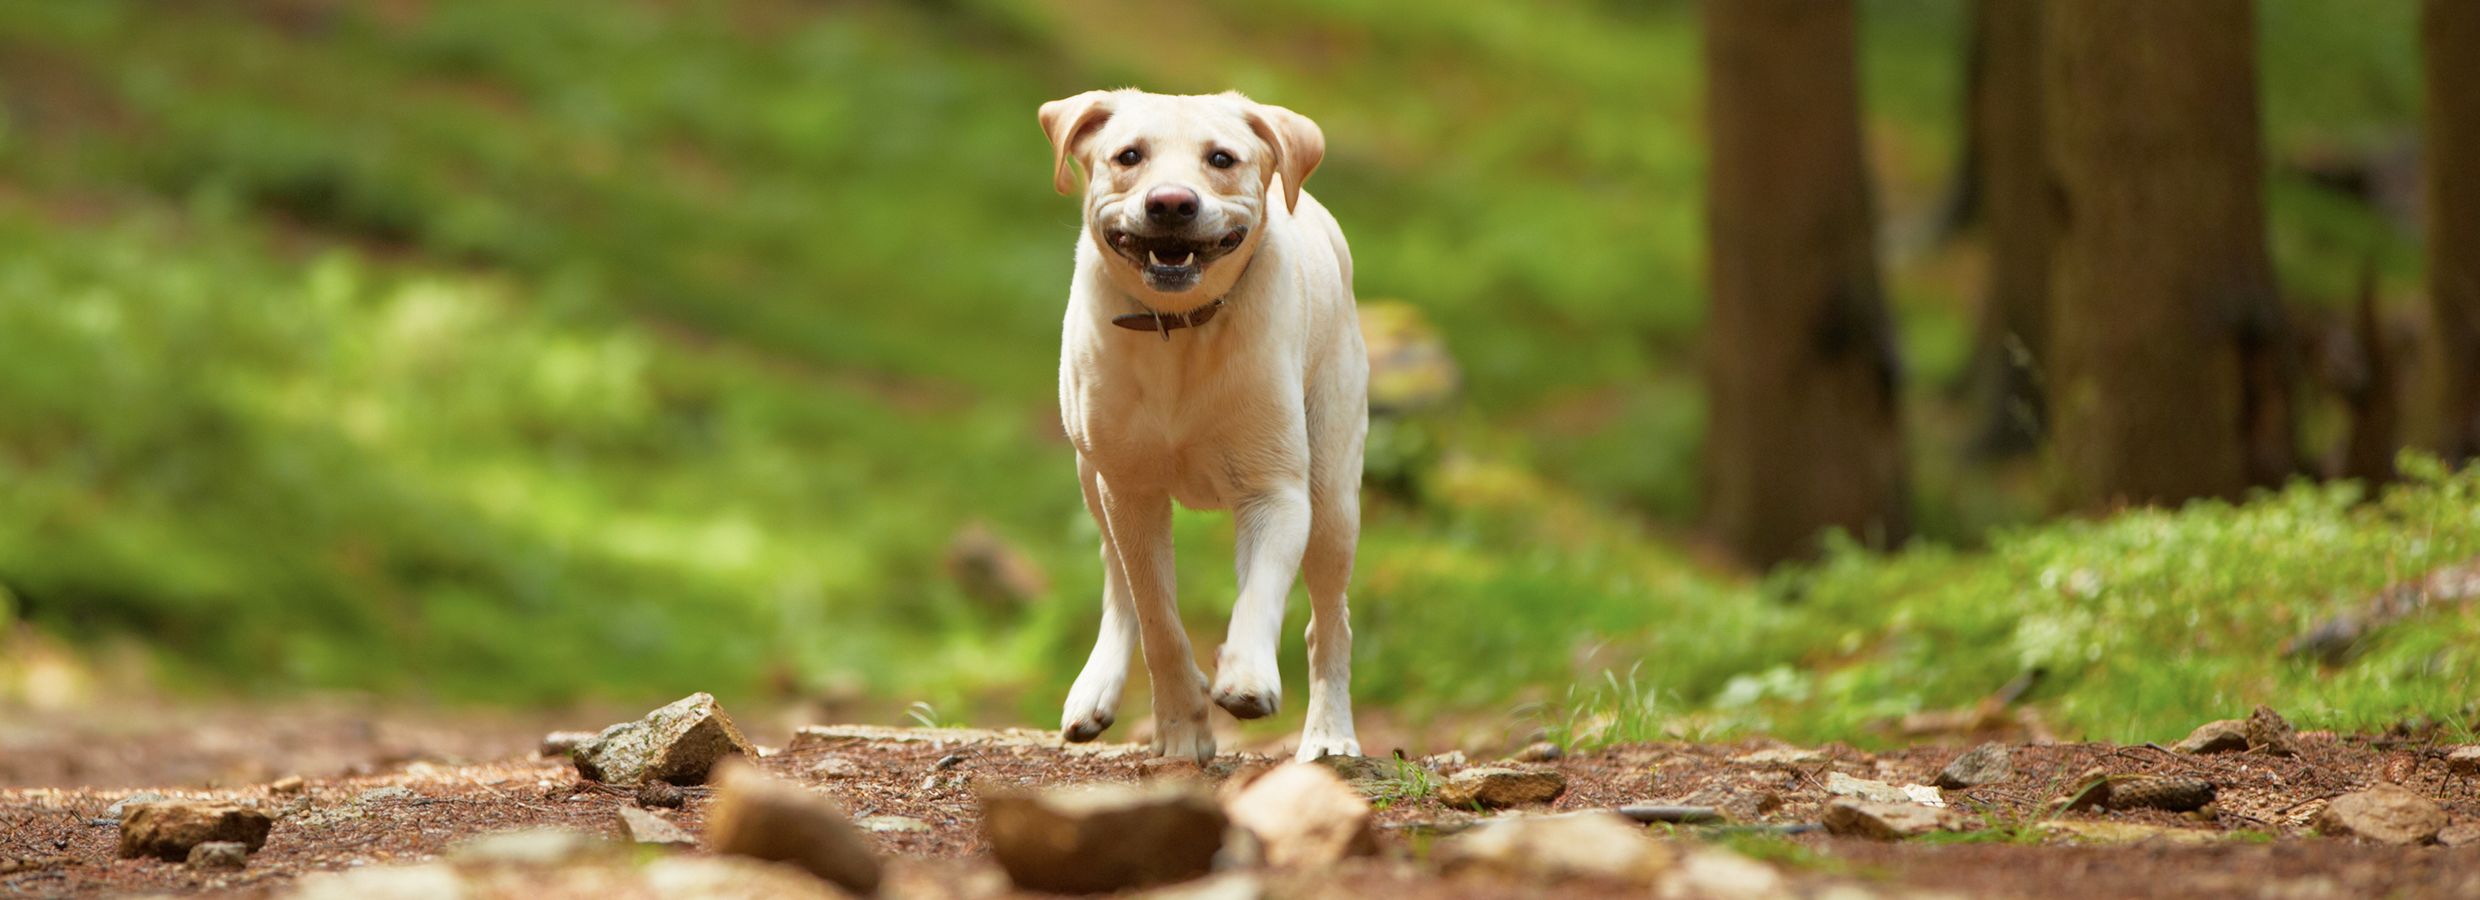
2014,189
1801,376
2451,48
2166,336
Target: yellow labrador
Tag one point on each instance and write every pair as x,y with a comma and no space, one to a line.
1212,356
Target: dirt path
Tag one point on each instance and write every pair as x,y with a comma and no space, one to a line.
394,789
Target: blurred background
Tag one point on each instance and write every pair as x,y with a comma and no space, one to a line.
533,353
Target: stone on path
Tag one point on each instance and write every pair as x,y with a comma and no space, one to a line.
679,743
562,743
2385,813
2464,760
599,875
1304,815
660,795
2223,736
1599,845
2268,732
2462,835
1986,764
1103,837
1712,873
1842,785
167,829
647,828
757,816
1887,821
892,824
1494,787
1366,774
1541,752
219,855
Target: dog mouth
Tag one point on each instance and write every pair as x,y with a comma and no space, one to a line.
1172,262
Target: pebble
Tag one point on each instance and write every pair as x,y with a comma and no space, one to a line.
757,816
1712,873
168,829
2385,813
1887,821
647,828
1986,764
2464,760
1103,837
2224,736
888,824
1304,815
679,743
2268,732
1577,845
219,855
1494,787
836,767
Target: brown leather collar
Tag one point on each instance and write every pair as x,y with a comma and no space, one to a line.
1166,323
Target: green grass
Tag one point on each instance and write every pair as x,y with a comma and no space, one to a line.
520,353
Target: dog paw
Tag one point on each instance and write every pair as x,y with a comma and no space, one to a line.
1315,747
1183,737
1245,690
1079,729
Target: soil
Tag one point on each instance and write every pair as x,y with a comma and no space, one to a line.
463,776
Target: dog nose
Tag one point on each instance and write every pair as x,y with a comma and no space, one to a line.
1170,205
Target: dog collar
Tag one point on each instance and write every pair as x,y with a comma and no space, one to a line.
1150,320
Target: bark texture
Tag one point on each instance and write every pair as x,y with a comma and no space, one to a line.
2450,39
1801,374
2168,380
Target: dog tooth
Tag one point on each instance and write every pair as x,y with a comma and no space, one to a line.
1151,258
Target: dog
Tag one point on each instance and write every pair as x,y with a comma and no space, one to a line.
1211,356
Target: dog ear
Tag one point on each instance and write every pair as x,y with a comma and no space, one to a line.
1297,143
1066,122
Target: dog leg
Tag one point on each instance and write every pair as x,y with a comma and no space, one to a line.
1273,530
1335,530
1140,530
1093,704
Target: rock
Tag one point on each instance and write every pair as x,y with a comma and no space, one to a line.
835,767
888,824
1579,845
1712,873
2222,736
1986,764
289,784
604,876
1227,886
660,795
2463,835
1103,837
2464,760
1493,787
168,829
679,743
1304,815
757,816
992,571
219,855
562,743
2268,732
1440,762
384,794
1366,774
2385,813
647,828
1842,785
1541,752
112,814
1887,821
529,847
1781,756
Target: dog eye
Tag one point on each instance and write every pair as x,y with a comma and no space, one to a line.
1222,160
1128,157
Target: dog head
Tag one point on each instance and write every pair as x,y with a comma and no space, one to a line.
1177,188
